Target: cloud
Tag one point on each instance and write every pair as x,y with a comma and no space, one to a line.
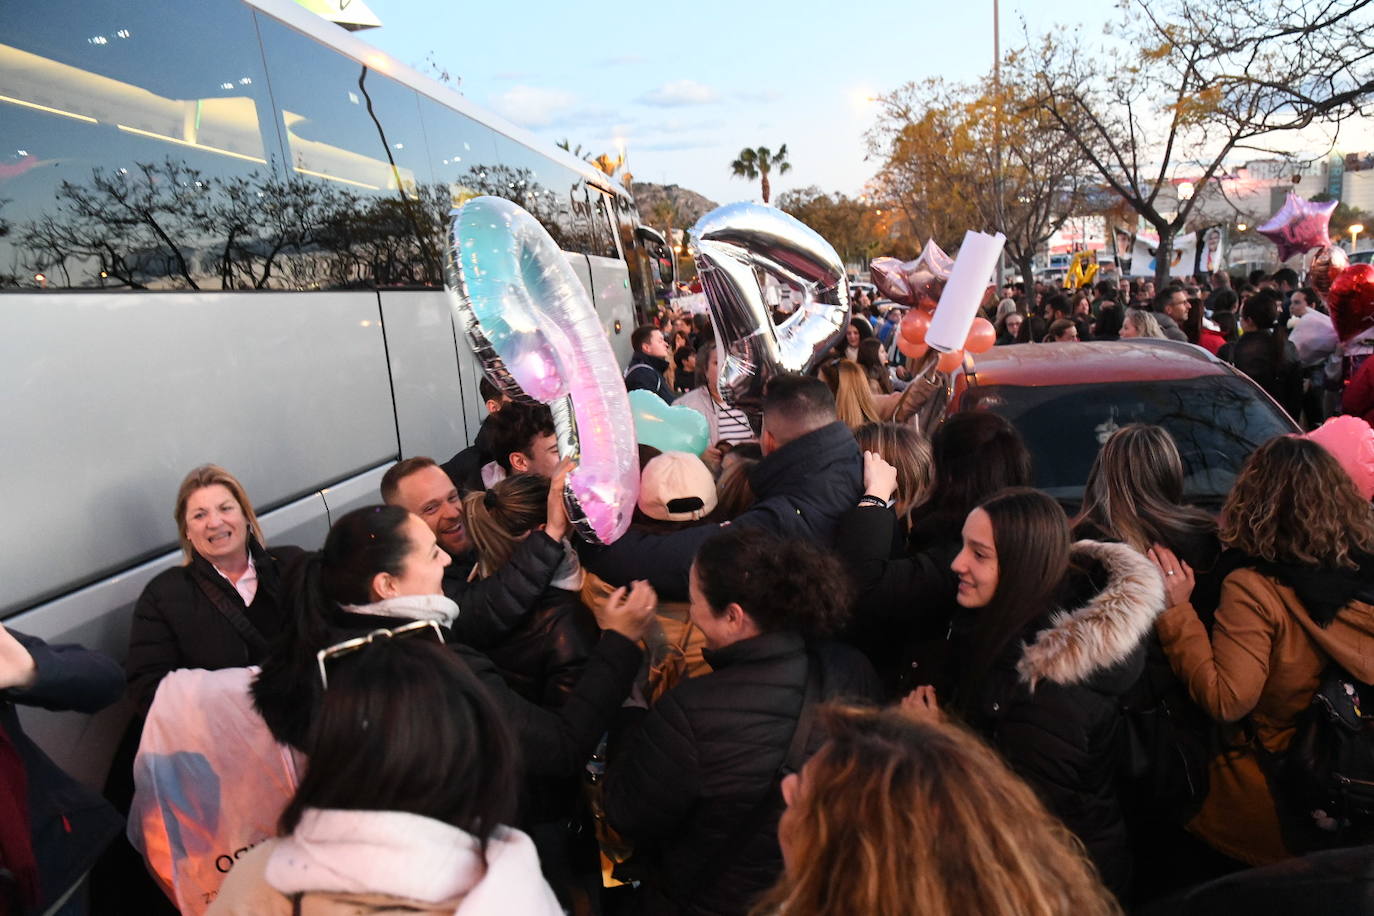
670,146
532,106
678,93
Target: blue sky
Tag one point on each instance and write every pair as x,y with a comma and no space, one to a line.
687,85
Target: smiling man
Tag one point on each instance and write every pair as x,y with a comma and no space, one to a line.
488,608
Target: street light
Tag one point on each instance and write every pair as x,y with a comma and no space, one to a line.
1241,227
1355,231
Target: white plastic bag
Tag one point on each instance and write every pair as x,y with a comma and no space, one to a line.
209,783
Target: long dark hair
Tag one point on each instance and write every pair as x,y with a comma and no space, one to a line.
976,454
1031,535
782,584
406,726
360,545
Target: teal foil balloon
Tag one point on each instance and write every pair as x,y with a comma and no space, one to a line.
534,330
666,428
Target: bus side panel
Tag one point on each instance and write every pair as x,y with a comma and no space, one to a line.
430,412
97,617
615,303
112,398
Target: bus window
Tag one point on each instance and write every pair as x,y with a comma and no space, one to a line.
132,140
602,226
353,137
542,187
460,149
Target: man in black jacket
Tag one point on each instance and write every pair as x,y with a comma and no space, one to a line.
465,468
649,363
490,607
811,473
67,824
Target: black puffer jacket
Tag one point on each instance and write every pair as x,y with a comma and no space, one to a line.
693,771
802,489
191,617
465,468
1052,706
490,608
70,824
544,655
905,599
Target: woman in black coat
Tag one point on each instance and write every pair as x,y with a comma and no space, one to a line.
695,788
1056,635
225,604
543,656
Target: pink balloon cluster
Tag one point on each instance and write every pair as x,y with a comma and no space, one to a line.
919,283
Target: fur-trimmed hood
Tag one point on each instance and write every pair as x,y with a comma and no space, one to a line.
1107,629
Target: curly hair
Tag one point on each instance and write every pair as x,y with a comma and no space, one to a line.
895,815
1293,503
781,584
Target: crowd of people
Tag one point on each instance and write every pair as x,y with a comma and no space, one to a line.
836,666
1268,325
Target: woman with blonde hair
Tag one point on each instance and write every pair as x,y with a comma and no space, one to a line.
898,815
1140,323
544,655
224,604
1298,601
903,447
855,404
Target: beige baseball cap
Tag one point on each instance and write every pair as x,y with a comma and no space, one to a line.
676,487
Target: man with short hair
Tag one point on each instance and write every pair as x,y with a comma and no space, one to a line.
1220,280
649,363
490,607
810,475
1170,308
465,468
521,440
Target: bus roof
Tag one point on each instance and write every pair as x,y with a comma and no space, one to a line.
345,42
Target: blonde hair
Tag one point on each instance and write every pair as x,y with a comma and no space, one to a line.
1294,503
899,816
498,518
903,447
853,400
209,475
1145,324
1135,490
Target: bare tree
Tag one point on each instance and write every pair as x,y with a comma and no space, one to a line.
1186,86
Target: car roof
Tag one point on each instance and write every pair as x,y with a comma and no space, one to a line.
1092,362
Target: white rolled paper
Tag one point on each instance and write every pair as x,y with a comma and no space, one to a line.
973,268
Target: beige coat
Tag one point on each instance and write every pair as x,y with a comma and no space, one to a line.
1264,660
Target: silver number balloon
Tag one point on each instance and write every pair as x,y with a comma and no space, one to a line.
735,246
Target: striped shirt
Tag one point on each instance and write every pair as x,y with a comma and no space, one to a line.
732,425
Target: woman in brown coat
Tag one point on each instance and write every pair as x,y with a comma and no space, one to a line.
1301,539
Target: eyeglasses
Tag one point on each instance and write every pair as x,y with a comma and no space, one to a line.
418,627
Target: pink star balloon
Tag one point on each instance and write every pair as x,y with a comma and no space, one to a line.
1299,225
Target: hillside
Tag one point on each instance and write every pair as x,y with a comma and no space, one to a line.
666,206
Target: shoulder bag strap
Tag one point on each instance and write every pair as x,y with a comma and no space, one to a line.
237,619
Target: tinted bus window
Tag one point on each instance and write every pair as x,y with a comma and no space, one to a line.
541,186
355,144
132,142
601,235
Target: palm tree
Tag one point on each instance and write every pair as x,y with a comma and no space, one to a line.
757,163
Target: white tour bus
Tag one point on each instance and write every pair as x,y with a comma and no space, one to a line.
221,231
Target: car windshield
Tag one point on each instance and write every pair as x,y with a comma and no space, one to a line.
1215,420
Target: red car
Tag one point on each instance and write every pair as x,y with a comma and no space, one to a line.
1068,398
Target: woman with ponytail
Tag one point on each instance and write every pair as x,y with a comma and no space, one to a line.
543,657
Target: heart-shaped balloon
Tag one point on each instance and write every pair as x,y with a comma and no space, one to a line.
1299,225
889,277
668,428
1352,301
1324,265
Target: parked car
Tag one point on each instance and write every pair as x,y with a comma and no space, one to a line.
1068,398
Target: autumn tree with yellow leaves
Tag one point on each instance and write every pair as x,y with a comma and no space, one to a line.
977,156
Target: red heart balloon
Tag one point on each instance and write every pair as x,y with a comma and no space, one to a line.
1352,301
